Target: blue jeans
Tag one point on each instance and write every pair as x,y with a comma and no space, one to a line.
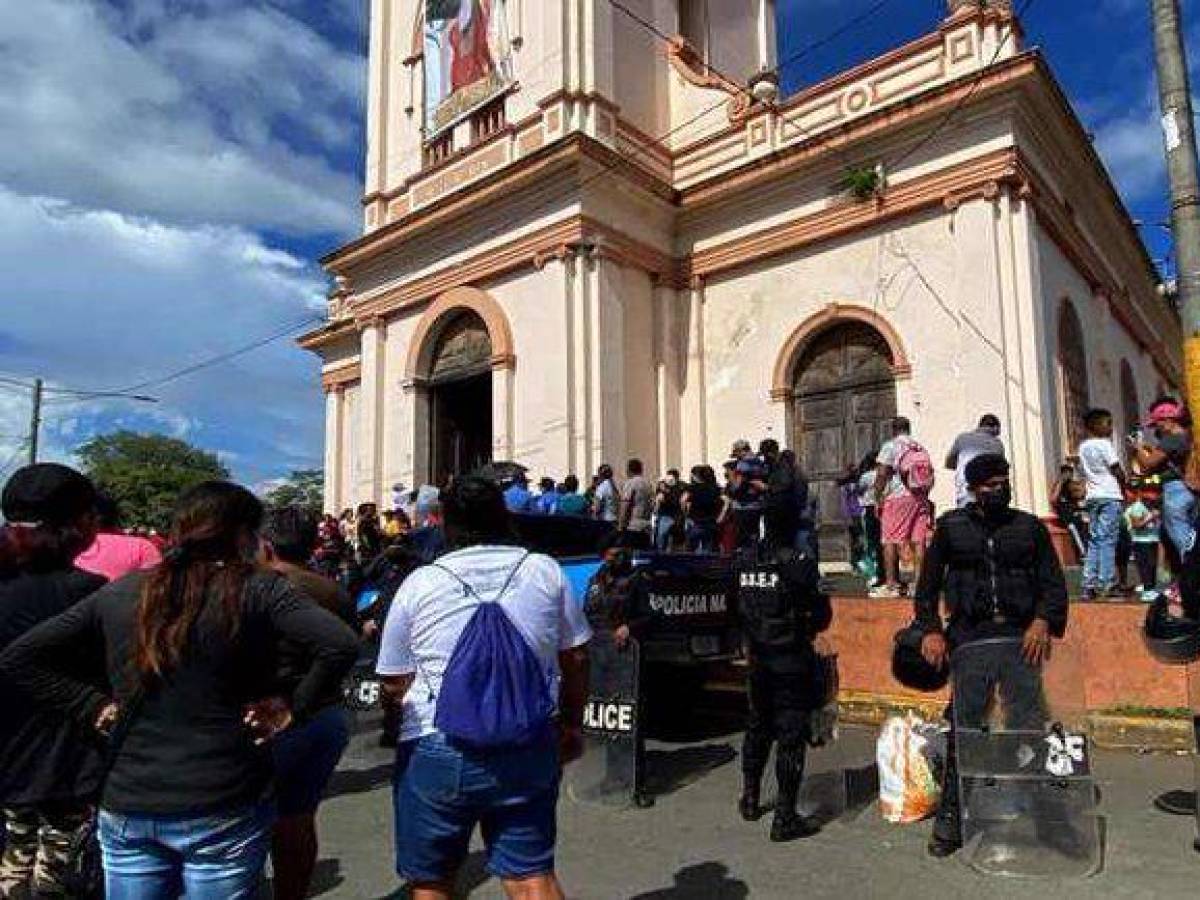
440,793
216,857
702,536
662,533
1179,515
305,758
1100,567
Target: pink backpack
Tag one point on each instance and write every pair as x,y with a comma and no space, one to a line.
916,469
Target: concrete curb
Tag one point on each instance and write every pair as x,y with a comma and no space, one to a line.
1140,733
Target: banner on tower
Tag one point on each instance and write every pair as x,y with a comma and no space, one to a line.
468,58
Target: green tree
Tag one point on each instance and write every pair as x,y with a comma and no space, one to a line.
146,473
304,487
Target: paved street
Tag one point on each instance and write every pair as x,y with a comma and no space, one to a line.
691,845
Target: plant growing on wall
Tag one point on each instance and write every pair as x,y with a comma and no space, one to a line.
863,182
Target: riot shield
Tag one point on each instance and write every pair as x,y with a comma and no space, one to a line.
829,790
609,772
1026,793
363,689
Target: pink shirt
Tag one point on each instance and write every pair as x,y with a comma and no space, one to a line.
116,555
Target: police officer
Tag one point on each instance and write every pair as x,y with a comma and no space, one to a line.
782,610
616,605
1001,578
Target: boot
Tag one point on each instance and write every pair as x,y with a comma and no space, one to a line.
791,827
788,824
749,805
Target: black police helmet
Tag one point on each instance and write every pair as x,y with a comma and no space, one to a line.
910,668
1170,639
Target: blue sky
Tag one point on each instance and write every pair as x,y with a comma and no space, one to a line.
173,168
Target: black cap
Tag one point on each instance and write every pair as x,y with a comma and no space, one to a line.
47,493
985,467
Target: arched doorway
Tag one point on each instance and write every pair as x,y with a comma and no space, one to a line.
1072,376
1130,405
844,401
460,397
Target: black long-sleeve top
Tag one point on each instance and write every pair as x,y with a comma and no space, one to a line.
45,756
186,750
997,575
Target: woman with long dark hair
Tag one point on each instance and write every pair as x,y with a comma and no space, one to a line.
50,767
191,651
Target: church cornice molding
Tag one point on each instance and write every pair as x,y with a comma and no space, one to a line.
686,60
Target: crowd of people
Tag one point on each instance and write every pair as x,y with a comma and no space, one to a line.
183,702
1142,509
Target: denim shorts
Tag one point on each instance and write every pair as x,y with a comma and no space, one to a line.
305,758
214,857
441,793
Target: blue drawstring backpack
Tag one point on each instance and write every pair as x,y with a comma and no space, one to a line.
495,691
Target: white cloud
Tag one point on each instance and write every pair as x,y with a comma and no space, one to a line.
214,112
102,300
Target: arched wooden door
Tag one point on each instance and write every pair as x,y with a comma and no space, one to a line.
845,400
460,381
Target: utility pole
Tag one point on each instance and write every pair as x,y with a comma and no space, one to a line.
35,420
1179,138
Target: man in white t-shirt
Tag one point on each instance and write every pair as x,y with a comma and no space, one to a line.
441,793
606,498
1105,478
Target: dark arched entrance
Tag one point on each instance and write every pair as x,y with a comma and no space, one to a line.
1072,376
460,397
845,400
1130,405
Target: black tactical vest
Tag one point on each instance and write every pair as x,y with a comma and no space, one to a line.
770,609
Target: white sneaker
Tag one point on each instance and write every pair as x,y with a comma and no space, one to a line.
884,592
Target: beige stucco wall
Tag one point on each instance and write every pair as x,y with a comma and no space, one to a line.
1106,342
935,279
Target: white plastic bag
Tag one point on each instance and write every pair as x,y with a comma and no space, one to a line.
908,787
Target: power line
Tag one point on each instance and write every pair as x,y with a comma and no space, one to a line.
222,357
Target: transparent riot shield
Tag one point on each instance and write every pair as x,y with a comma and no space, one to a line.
830,788
609,772
1027,799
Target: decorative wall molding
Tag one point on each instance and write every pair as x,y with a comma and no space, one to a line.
460,299
686,60
341,377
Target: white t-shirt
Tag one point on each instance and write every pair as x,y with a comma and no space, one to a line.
1097,456
890,455
432,608
606,501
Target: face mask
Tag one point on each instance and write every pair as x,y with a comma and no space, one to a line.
997,501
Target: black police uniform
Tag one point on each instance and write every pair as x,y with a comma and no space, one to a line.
998,573
782,609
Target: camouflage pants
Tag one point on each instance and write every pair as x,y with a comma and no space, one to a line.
37,843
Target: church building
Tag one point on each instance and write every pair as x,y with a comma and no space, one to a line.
595,230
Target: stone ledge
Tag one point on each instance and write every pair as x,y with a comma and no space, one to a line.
1138,733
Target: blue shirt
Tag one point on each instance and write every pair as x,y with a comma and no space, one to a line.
518,499
546,504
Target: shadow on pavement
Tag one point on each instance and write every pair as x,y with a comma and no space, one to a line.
671,770
709,881
472,875
359,781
